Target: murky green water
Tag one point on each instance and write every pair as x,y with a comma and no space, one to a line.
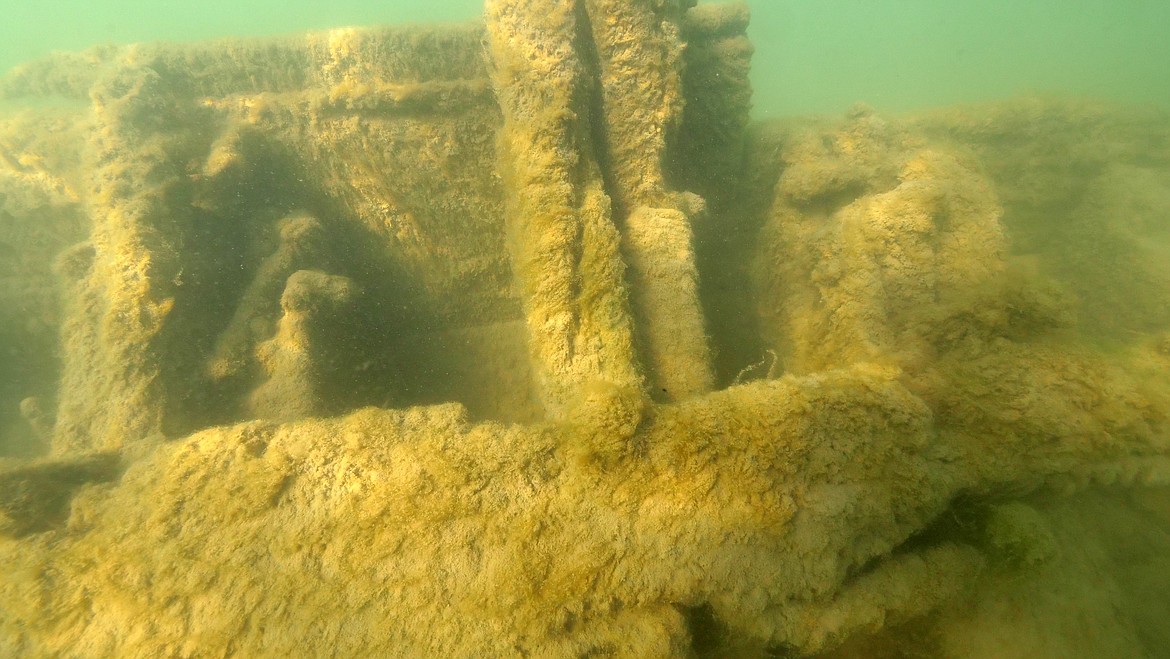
812,55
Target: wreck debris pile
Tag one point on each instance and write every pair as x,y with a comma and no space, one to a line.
516,338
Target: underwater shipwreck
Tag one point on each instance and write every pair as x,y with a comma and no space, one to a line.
519,338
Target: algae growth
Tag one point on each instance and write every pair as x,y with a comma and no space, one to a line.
520,339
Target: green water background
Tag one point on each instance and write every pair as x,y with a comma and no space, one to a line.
812,56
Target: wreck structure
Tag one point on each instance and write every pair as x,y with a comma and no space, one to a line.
518,338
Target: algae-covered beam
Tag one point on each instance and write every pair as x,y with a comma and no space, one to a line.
637,49
122,286
591,94
562,236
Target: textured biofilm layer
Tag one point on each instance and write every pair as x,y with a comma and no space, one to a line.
515,339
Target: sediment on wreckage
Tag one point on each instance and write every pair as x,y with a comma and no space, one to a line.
519,338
